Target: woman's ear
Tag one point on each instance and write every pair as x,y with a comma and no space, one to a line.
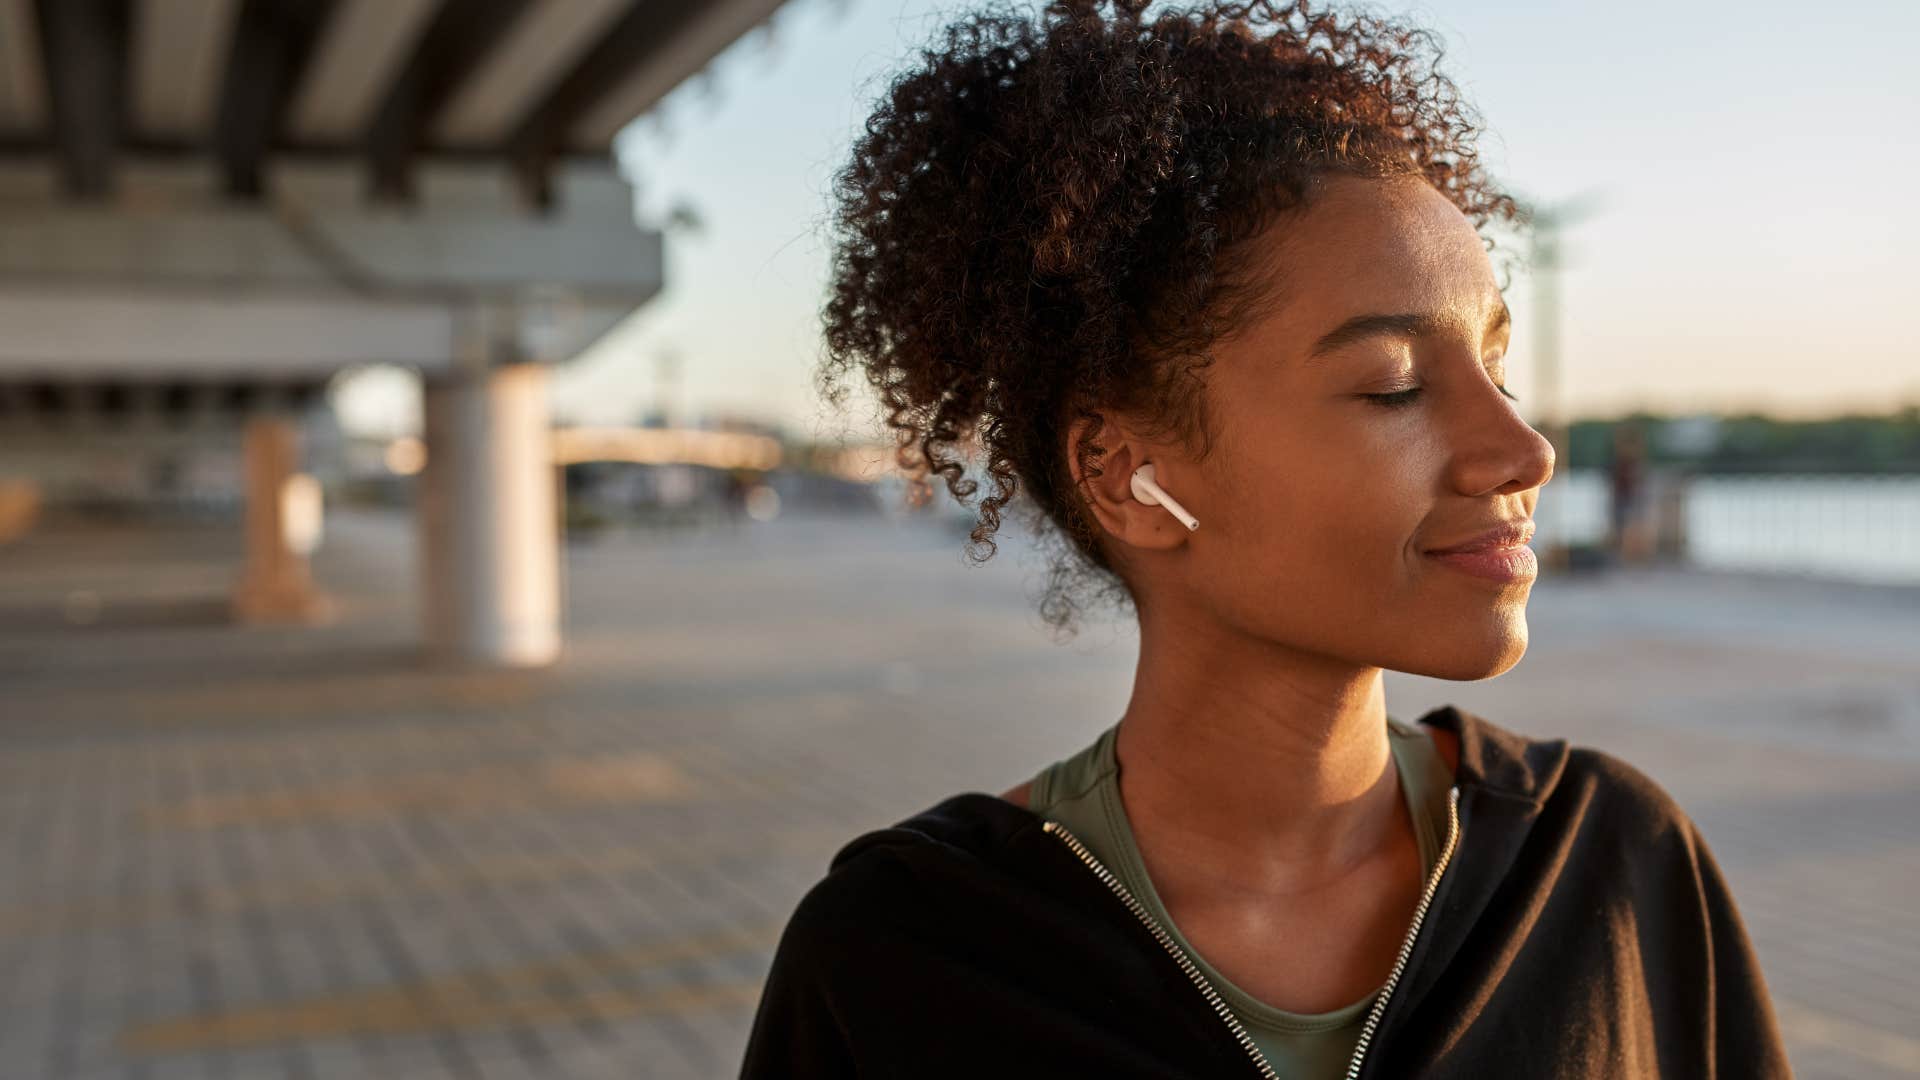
1108,497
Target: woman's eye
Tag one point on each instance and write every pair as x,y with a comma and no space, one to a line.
1405,397
1400,397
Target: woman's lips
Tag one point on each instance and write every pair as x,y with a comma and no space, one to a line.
1505,564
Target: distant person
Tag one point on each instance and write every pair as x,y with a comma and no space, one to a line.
1245,249
739,485
1626,492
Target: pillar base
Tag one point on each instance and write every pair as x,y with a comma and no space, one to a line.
266,604
19,508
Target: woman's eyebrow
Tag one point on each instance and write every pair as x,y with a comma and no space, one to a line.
1361,327
1409,324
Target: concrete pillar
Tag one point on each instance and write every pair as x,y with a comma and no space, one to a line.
490,559
19,507
276,584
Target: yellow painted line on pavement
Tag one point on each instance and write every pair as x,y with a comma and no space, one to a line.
227,701
456,878
643,776
1800,1024
401,1016
479,999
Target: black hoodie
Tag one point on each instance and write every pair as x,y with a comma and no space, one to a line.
1581,929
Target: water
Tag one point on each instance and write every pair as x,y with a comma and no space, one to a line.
1858,528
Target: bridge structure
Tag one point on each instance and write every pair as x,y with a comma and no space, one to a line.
210,208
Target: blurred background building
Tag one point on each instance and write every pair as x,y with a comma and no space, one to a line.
212,208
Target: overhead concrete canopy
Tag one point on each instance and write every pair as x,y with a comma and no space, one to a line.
386,84
257,194
213,206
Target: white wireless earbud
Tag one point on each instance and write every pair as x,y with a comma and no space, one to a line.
1149,492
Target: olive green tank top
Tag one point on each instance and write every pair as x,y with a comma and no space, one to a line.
1082,793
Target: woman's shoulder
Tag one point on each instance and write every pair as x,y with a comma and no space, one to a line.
957,843
1574,784
1620,803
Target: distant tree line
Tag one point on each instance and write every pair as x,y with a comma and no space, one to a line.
1755,443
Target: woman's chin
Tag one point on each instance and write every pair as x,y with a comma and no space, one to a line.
1467,656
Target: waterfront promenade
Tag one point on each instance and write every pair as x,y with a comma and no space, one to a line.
300,853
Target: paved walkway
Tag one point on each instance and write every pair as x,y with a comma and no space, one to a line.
298,853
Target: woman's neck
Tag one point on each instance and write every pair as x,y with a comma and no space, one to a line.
1270,766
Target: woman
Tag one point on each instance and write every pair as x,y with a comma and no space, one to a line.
1211,289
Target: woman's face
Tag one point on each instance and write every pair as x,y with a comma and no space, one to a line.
1320,503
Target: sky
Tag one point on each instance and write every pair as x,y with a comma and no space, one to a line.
1748,169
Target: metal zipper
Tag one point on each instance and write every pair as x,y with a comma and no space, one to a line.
1172,947
1219,1005
1406,946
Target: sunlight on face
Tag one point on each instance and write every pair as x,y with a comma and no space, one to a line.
1362,423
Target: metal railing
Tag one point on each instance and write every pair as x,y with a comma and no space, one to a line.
1853,527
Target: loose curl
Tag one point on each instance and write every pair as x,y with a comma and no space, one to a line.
1044,219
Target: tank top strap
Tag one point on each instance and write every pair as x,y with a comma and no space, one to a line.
1068,789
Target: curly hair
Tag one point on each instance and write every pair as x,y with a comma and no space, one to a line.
1044,218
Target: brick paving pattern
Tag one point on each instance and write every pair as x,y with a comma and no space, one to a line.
301,853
